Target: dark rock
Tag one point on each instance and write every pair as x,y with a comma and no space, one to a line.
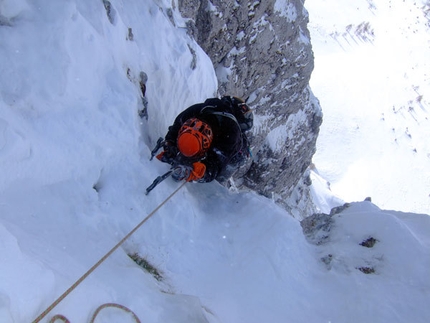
316,228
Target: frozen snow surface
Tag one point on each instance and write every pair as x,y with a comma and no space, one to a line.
74,165
372,79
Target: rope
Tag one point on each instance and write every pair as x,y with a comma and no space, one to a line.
59,317
96,313
80,280
117,306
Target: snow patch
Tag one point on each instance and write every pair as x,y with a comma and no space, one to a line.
10,10
286,9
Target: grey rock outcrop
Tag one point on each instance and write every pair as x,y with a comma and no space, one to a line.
261,51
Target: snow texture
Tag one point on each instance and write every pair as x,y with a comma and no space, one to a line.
74,163
371,77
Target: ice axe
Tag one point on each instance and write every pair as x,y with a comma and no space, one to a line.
159,144
158,180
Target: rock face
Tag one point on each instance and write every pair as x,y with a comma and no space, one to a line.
261,52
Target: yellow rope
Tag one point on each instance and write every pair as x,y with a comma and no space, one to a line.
96,313
59,317
80,280
117,306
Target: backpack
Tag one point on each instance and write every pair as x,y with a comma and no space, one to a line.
240,110
237,110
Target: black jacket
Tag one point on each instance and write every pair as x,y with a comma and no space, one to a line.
227,140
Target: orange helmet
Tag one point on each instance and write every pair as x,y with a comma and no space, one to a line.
194,137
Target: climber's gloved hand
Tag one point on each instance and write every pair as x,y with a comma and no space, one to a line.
181,172
170,149
189,173
198,172
169,153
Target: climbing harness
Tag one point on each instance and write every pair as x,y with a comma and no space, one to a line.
80,280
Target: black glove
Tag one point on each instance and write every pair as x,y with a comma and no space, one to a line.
168,154
170,149
181,172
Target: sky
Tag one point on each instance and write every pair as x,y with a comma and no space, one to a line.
372,79
74,157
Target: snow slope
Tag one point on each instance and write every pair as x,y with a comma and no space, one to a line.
372,79
74,165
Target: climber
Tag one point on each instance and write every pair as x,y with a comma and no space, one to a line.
207,141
